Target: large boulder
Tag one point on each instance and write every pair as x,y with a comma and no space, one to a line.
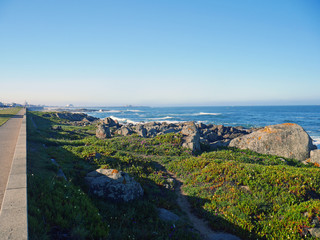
191,136
103,132
114,185
286,140
110,122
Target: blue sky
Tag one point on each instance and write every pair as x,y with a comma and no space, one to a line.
160,53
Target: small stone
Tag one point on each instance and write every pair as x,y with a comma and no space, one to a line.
167,216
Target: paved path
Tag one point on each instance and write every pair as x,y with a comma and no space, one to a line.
9,133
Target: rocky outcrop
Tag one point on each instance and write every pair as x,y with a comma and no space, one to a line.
286,140
191,136
114,185
75,116
103,131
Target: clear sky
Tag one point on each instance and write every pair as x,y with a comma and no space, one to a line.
158,53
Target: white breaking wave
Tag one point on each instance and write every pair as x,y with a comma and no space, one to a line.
133,110
204,113
316,141
163,118
113,111
123,120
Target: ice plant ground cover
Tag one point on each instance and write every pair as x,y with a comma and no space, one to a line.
251,195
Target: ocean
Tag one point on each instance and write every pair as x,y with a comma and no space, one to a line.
247,116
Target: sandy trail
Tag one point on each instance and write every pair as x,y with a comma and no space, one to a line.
198,223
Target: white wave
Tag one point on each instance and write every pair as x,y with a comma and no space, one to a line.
204,113
113,111
123,120
133,110
163,118
316,141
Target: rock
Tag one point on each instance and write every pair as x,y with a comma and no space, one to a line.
57,128
141,130
114,185
124,131
315,232
103,132
219,144
287,140
170,130
110,122
152,132
75,116
167,216
191,138
315,156
201,125
211,136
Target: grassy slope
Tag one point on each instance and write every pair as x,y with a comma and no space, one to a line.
7,113
251,195
60,209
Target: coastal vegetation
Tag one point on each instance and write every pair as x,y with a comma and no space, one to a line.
7,113
251,195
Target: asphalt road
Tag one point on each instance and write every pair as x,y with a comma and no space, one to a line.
9,133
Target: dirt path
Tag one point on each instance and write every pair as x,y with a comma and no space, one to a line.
9,133
199,224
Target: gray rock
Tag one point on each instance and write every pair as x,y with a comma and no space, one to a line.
141,130
110,122
315,156
114,185
170,130
191,138
287,140
219,144
152,132
315,232
57,128
167,216
124,131
103,132
201,126
75,116
211,136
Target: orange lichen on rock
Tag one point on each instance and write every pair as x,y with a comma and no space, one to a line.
114,171
259,138
268,130
289,124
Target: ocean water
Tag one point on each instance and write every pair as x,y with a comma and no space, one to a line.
252,116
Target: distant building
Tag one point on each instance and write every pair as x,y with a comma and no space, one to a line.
69,105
